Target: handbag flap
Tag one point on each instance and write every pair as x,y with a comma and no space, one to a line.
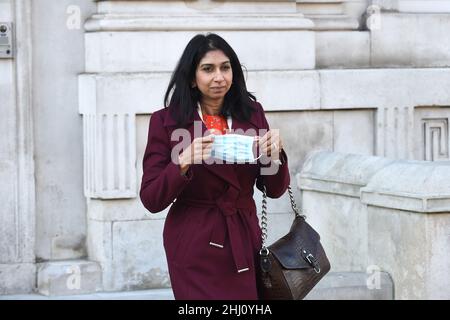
288,249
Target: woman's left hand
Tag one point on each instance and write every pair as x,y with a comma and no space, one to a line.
270,144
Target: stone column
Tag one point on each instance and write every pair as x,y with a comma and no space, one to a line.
17,187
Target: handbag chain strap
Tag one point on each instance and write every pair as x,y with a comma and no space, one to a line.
264,250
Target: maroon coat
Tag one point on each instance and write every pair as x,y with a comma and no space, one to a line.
211,233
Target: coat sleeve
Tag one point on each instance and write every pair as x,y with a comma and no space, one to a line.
278,179
162,181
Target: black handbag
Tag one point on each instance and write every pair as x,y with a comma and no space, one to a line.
294,264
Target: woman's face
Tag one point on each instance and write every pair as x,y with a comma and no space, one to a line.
214,75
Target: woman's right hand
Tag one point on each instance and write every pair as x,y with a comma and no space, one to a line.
198,150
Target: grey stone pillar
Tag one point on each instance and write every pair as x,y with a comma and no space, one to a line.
17,187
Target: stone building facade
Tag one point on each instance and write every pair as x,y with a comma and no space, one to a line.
362,77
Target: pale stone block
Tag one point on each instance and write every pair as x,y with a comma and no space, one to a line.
10,225
346,124
160,51
99,240
68,247
17,278
17,225
303,132
342,224
139,260
411,40
121,210
374,88
285,90
69,277
413,248
403,214
138,93
342,49
16,228
353,286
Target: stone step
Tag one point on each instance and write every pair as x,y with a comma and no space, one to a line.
334,286
152,294
69,277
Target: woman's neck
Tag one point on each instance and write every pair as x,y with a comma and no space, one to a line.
211,107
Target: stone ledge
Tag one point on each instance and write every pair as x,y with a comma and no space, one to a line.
338,173
418,186
183,22
196,6
333,23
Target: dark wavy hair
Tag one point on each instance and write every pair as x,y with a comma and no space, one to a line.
183,100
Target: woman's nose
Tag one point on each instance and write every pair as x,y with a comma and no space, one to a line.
218,76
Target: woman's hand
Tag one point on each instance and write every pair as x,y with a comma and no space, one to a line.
270,144
198,150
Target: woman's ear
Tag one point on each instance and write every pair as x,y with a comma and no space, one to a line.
193,85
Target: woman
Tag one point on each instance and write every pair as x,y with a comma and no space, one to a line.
211,234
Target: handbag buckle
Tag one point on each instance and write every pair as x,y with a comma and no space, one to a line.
312,261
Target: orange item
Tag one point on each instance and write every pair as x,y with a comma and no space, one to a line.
216,124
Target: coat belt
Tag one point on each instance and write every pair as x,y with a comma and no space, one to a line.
229,209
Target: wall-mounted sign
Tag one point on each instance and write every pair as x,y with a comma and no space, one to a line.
6,40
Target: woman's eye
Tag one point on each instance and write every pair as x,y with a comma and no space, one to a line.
207,69
226,67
